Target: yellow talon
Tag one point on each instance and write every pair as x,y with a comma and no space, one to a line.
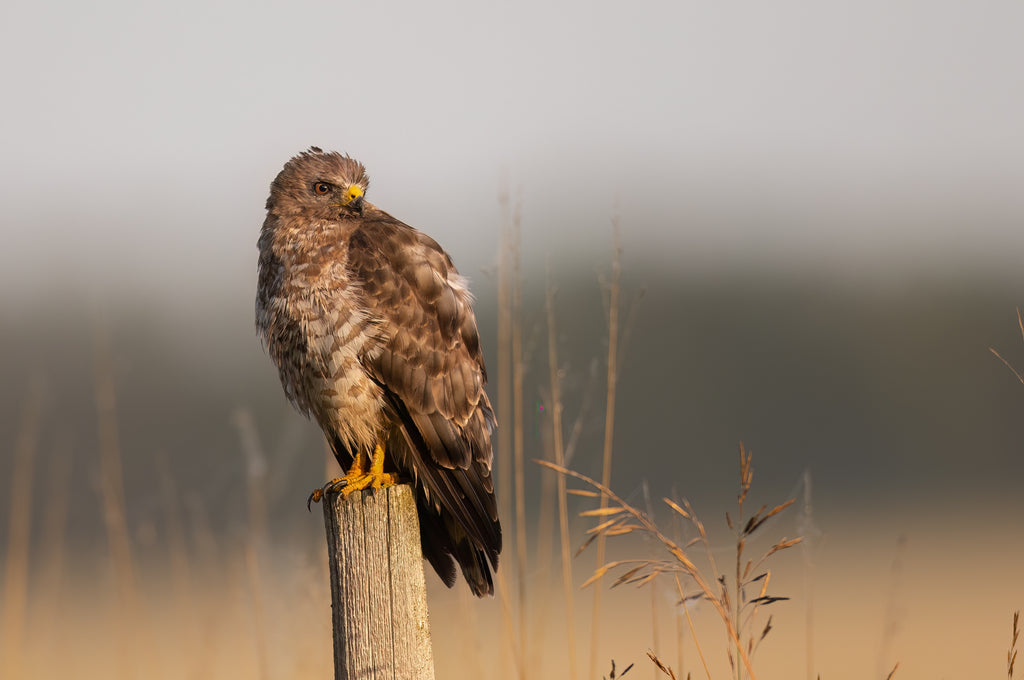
357,477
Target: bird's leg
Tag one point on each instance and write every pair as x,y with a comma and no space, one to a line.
374,478
357,470
358,477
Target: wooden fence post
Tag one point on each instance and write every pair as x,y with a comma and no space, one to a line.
378,596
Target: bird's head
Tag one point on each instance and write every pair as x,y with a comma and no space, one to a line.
319,184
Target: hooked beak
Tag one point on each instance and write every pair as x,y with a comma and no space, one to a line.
354,198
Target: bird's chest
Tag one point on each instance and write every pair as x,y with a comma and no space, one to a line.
338,340
324,308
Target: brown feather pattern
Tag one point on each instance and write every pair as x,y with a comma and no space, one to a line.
373,333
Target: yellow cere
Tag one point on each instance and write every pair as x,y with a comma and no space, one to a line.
354,192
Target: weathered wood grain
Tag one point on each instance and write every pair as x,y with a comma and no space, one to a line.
378,595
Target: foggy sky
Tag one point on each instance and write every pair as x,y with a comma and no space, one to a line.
139,139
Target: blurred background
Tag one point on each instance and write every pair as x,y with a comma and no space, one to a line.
819,209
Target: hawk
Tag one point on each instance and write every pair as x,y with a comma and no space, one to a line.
373,334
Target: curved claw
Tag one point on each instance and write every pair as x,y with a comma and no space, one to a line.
318,494
365,473
314,498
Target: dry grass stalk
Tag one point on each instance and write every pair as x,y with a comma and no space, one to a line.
680,612
111,467
807,529
744,572
563,504
503,386
176,541
693,633
501,589
518,367
256,471
15,587
112,486
54,538
609,425
1011,653
544,536
680,639
546,524
177,548
654,616
891,624
660,665
620,518
627,326
1020,324
892,673
612,675
252,570
654,590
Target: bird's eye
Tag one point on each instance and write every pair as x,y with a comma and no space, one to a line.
321,188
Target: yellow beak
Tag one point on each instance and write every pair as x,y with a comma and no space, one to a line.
354,193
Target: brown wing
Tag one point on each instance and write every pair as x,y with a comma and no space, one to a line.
432,370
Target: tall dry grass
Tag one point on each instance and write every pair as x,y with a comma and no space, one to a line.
1020,324
503,388
564,539
737,604
14,605
518,370
256,472
1011,653
609,425
50,569
115,512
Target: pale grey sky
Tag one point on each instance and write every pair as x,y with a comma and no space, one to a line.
139,138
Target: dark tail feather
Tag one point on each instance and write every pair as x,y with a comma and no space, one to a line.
435,542
475,569
441,540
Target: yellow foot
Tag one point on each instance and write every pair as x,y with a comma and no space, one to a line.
319,493
357,478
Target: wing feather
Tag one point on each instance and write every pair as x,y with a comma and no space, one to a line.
432,371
